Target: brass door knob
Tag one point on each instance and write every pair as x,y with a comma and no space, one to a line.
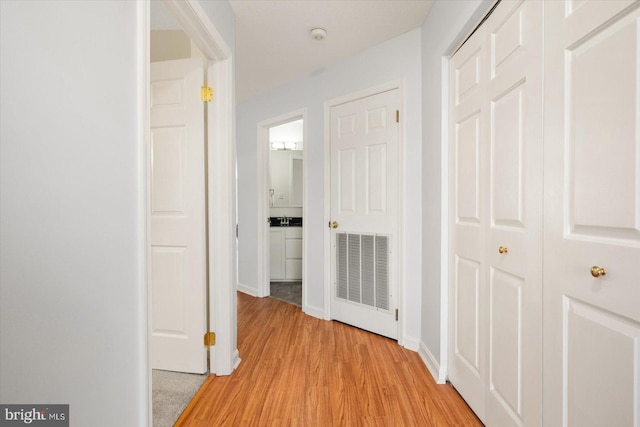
333,224
503,250
598,271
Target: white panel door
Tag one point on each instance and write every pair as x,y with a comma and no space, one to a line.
365,190
178,264
496,198
514,238
592,214
468,225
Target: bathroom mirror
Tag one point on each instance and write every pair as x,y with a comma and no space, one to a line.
286,165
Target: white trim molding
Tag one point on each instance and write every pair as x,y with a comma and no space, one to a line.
262,185
144,187
432,365
221,184
313,311
247,290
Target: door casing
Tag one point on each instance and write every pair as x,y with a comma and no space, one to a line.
263,169
220,190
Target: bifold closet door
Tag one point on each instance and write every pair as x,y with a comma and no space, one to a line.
592,214
495,356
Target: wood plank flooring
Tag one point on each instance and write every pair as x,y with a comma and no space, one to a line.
297,370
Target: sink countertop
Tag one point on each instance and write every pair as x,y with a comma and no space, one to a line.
276,221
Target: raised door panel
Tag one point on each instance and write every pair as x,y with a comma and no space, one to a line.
603,168
507,159
506,338
168,286
167,174
467,152
467,313
598,392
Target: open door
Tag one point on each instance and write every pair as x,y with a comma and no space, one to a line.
178,227
365,139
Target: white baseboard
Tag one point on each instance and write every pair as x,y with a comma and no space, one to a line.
236,359
247,290
411,343
431,363
313,311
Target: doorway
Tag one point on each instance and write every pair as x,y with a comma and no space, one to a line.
286,168
281,201
220,297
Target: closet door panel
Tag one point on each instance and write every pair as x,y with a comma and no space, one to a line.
467,293
514,234
592,214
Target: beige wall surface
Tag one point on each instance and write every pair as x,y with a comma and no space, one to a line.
169,44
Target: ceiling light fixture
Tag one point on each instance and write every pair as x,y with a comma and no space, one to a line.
318,34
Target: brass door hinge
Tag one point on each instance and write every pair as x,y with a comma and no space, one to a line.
397,116
206,93
209,339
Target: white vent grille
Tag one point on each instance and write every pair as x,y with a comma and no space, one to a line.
362,270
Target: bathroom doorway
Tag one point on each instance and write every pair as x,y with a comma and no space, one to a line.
282,164
286,165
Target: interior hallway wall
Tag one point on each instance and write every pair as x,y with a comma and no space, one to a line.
72,295
396,59
73,320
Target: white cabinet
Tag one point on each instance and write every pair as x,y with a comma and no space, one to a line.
286,253
293,251
277,253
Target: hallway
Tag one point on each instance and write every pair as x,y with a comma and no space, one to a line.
297,370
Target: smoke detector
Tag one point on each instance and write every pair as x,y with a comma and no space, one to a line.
318,34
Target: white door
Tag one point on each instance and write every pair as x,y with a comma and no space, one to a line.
495,352
467,258
365,136
592,214
178,265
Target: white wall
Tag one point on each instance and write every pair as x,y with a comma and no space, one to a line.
72,300
443,29
72,286
166,45
396,59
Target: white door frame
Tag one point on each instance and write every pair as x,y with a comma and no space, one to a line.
397,84
220,185
263,169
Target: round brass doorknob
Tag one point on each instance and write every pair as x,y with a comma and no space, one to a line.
334,224
598,271
503,250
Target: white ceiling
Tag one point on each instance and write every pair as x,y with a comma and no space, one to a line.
273,44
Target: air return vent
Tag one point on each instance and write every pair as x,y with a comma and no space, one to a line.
362,270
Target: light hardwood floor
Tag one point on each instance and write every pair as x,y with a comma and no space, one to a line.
297,370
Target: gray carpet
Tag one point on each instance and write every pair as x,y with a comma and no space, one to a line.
290,292
172,392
